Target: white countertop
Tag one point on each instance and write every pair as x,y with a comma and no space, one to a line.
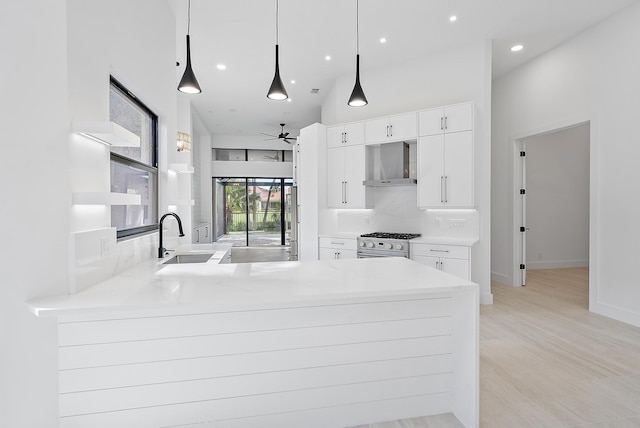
191,287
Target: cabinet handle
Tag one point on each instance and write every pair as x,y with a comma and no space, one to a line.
346,137
206,233
439,251
446,197
441,187
391,130
442,123
387,131
441,265
337,243
445,123
346,192
197,235
437,265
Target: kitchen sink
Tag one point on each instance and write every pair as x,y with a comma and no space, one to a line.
188,258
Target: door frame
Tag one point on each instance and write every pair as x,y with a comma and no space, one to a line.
518,170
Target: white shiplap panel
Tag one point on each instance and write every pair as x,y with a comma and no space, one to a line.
234,365
299,381
142,351
107,331
262,405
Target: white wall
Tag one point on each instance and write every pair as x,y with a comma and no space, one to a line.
34,184
448,78
58,56
592,77
558,199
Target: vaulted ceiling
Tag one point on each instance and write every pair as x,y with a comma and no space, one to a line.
241,35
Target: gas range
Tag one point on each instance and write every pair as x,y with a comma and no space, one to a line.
383,244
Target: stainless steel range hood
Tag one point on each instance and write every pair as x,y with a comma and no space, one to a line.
392,168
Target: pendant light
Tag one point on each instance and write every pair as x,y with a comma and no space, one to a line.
189,83
277,90
357,98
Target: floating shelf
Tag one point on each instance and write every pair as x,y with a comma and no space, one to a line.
181,168
109,133
105,198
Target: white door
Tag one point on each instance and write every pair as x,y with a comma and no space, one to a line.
377,130
458,117
431,171
354,133
335,136
354,176
403,127
458,169
431,122
457,267
335,178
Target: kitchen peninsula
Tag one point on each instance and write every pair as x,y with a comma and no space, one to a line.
287,344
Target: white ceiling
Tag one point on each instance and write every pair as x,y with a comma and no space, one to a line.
241,34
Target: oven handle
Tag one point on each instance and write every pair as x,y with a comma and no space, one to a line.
373,255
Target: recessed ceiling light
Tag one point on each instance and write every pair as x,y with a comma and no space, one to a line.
383,40
293,82
328,57
453,18
221,67
517,48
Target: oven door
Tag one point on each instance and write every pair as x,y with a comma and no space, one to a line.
363,254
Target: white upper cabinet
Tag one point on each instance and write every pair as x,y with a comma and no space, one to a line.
442,120
394,128
445,170
345,174
345,135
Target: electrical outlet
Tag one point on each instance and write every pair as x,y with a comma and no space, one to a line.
457,223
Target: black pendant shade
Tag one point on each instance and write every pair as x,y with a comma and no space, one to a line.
277,90
189,83
357,99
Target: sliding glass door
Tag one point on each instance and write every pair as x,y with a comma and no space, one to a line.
253,210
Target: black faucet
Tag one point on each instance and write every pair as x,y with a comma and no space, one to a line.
161,249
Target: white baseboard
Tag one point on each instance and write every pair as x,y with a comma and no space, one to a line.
501,278
619,314
560,264
486,299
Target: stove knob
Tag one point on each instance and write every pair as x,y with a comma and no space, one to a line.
388,246
370,244
398,247
362,244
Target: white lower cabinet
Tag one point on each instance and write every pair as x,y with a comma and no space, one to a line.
453,259
330,248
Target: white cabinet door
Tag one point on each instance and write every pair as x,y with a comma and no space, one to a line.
403,127
327,253
335,178
431,122
458,118
431,171
458,169
347,254
354,133
445,170
455,118
377,130
457,267
433,262
355,196
335,136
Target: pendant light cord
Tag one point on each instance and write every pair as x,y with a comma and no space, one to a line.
277,29
189,19
357,27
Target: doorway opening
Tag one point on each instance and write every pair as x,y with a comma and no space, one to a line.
551,209
252,212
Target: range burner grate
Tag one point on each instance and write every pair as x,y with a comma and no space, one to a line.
385,235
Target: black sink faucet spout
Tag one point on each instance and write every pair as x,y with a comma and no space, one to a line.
161,249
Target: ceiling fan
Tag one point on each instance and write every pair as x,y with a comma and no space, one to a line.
282,136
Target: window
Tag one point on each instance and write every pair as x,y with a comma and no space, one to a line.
252,155
134,170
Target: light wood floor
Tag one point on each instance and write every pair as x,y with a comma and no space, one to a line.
546,361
